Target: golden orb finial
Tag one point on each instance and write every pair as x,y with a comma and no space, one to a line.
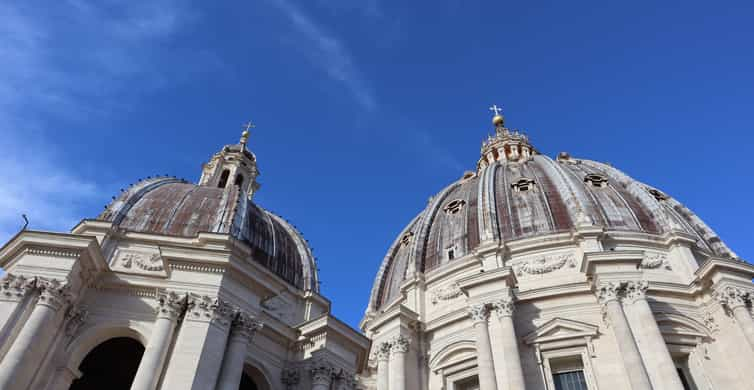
245,134
498,119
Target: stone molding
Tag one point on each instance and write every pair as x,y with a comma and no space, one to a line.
245,326
732,297
504,307
545,264
44,251
53,293
209,309
399,344
16,287
478,312
170,305
322,372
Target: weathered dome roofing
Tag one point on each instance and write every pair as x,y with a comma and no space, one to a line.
175,207
517,194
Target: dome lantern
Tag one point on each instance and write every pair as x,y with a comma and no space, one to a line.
505,145
234,165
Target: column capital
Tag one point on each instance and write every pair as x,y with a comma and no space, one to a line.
609,291
245,326
478,312
170,305
209,309
53,293
290,377
16,287
504,307
732,297
321,371
636,290
399,344
382,352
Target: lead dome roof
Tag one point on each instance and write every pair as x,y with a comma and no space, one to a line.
518,193
174,207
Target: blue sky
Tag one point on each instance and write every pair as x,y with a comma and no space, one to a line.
366,108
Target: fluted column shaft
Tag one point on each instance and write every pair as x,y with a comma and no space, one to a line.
243,330
661,361
383,355
735,299
25,354
398,350
515,373
637,373
479,314
170,307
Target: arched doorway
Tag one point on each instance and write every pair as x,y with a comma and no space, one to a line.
247,383
111,365
253,379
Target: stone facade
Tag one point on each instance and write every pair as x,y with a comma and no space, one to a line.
525,274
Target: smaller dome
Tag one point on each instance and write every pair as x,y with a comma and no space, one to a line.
174,207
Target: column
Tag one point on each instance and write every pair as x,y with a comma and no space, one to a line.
290,378
478,314
32,341
197,355
321,372
504,308
637,373
398,351
383,354
170,307
13,290
734,299
655,348
243,329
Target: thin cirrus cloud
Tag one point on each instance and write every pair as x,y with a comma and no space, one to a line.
69,62
328,53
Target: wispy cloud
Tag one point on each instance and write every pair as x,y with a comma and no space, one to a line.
327,52
71,61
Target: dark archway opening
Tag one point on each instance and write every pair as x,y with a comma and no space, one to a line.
111,365
247,383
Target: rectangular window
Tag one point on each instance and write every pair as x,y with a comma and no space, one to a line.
572,380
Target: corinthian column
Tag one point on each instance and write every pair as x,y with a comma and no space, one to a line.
734,299
478,314
32,341
655,349
504,308
170,306
322,373
398,350
383,354
13,290
608,295
244,327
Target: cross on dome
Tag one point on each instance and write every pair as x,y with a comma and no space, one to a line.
245,135
497,110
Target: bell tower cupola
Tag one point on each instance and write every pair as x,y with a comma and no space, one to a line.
234,165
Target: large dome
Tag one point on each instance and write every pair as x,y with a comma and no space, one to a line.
516,194
174,207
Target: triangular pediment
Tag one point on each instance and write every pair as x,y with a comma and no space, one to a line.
558,329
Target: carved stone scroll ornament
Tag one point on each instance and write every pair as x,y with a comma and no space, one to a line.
732,297
545,264
210,309
15,287
322,372
504,307
399,344
53,293
478,312
170,305
290,378
655,260
445,293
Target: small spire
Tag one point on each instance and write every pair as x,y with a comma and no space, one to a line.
245,135
498,119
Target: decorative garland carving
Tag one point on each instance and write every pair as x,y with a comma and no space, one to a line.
655,260
445,293
545,264
152,263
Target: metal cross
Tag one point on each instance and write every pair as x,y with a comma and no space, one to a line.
496,109
248,126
